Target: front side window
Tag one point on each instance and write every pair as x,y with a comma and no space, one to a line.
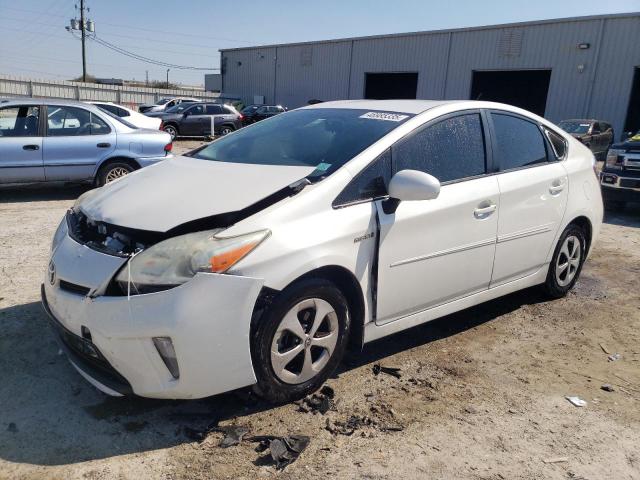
372,182
519,142
196,110
73,121
323,138
19,121
451,149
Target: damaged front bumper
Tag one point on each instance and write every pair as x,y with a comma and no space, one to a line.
109,339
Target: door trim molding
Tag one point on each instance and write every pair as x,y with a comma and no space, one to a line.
449,251
525,233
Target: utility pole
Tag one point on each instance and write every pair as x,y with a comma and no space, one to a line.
147,80
168,77
83,28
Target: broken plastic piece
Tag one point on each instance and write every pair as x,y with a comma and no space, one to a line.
577,401
232,435
394,372
284,450
615,357
607,388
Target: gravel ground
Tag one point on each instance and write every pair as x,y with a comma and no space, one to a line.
481,394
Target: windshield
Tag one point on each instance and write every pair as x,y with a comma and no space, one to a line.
162,101
249,109
179,108
574,126
324,138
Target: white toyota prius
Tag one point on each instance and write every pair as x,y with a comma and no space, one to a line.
257,259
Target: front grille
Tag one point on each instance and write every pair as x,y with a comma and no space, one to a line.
74,288
629,183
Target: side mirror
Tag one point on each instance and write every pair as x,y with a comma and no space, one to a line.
408,185
185,114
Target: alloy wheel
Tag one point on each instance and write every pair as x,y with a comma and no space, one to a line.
116,173
304,341
568,260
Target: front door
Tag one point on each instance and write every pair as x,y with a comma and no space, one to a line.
20,144
194,121
533,196
76,141
435,251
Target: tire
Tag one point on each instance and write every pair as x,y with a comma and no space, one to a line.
570,251
171,130
112,171
226,130
310,360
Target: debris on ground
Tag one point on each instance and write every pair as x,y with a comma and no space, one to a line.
197,435
283,450
394,372
604,348
383,420
607,388
556,460
615,357
318,402
577,401
13,428
232,435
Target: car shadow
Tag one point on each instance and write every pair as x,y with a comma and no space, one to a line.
629,216
51,416
42,193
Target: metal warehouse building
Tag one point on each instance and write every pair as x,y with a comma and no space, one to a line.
567,68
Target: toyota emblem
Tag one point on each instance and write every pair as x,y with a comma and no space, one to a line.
52,272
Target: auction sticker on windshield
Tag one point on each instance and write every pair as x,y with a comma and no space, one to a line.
390,117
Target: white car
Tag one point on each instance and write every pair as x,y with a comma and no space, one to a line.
258,258
136,119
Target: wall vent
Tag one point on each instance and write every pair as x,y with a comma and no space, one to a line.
510,43
306,56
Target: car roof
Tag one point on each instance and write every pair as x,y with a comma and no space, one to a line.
583,120
399,106
43,101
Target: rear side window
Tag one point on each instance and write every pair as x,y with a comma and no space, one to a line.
451,149
558,144
370,183
519,142
214,109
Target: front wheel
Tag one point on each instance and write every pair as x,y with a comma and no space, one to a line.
171,130
300,340
567,262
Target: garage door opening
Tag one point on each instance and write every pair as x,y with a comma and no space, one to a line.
522,88
632,123
387,86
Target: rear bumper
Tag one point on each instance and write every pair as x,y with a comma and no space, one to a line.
208,320
146,161
618,187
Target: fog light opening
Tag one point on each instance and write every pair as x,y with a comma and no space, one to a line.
164,345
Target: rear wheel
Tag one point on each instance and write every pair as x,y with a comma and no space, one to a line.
226,130
113,171
300,340
567,262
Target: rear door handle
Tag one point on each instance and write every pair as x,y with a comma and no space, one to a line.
31,147
556,187
103,145
483,212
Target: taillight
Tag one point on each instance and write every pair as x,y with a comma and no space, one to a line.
168,147
161,125
241,117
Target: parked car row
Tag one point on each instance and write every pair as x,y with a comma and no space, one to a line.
62,140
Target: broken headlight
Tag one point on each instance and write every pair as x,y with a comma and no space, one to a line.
176,260
61,232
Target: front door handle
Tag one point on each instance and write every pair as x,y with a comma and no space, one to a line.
483,212
103,145
31,147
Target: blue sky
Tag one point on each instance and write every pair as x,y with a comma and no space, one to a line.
190,32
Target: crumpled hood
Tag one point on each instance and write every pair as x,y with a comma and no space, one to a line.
181,189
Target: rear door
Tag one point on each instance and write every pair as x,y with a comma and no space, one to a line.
533,196
76,140
21,144
435,251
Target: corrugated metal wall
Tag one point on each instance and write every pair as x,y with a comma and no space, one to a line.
592,82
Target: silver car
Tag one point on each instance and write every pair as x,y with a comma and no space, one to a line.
60,140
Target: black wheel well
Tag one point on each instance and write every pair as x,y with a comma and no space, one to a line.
346,283
585,224
127,160
230,125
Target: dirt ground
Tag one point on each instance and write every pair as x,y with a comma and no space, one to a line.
481,396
